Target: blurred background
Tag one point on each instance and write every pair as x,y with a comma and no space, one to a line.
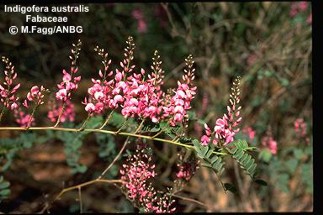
268,44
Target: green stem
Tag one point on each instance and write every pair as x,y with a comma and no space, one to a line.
140,126
159,132
85,122
107,120
115,159
124,122
105,132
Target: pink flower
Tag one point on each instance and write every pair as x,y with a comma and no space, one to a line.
302,5
142,26
293,12
138,15
252,59
67,115
186,170
23,119
13,106
250,133
90,107
68,85
300,127
309,19
35,95
270,143
205,140
34,90
61,95
66,77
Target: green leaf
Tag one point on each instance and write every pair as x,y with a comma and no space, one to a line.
307,176
107,145
265,155
268,73
185,139
245,161
191,115
4,193
94,122
284,82
81,169
4,184
210,160
201,151
282,182
241,144
117,120
201,122
291,165
4,189
298,153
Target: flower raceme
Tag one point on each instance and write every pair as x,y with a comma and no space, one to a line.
68,85
136,94
269,142
250,133
10,100
136,173
55,109
140,95
227,126
8,89
35,96
300,128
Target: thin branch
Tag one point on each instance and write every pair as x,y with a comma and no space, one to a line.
107,120
84,123
98,131
106,132
115,159
140,126
79,186
189,199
